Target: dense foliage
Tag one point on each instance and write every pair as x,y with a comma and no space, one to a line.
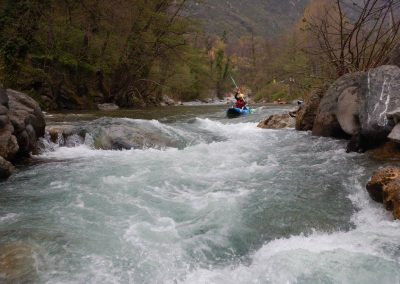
74,53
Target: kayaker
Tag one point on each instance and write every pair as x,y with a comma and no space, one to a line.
240,102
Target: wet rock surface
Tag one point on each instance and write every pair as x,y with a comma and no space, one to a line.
307,112
389,151
394,135
384,187
107,107
21,124
17,263
123,134
326,122
278,121
381,95
363,106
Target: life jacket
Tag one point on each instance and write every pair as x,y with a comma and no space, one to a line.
240,104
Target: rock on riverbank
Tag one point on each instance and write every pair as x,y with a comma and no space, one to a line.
21,124
384,187
362,106
277,121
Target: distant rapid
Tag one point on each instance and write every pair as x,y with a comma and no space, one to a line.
198,199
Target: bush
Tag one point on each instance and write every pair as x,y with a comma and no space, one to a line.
272,92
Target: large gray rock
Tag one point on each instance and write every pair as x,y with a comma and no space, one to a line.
381,94
394,115
27,119
326,122
117,134
21,123
394,58
363,106
395,134
348,109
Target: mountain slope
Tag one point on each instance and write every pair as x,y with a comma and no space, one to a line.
240,17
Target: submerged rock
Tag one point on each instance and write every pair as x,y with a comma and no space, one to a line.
17,263
278,121
118,134
107,107
384,187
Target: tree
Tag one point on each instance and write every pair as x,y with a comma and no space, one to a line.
73,53
354,35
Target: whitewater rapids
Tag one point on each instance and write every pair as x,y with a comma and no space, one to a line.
229,203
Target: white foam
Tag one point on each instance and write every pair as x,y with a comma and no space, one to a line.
287,260
9,217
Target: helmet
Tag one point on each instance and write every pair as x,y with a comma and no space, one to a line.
240,96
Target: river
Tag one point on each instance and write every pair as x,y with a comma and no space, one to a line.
224,202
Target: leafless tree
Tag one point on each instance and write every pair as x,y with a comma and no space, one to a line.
355,35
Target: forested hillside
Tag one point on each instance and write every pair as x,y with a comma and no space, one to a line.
267,18
74,54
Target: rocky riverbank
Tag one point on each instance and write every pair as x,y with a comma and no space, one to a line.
363,107
21,124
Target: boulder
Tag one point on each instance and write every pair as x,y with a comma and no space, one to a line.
3,110
168,101
3,97
27,119
394,135
278,121
389,151
384,187
391,197
326,122
380,179
18,263
116,134
21,123
381,95
6,168
394,115
8,144
394,58
363,106
348,110
307,112
107,107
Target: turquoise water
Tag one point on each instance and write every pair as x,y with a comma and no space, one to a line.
229,203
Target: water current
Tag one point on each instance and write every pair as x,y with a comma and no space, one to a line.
224,202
